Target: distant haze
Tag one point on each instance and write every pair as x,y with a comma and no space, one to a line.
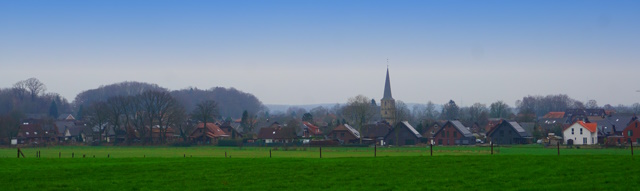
315,52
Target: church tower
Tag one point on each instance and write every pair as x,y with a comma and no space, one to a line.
388,104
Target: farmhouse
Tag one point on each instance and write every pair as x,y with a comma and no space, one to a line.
211,134
581,133
311,130
453,133
403,134
277,134
507,133
233,130
345,134
375,132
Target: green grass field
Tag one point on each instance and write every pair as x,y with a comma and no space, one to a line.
293,152
410,168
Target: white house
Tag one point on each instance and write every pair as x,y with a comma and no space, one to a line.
581,133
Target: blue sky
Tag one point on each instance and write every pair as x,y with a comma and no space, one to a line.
307,52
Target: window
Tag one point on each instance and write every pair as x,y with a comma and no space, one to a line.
630,133
439,141
592,142
455,134
447,136
572,131
341,135
584,140
580,131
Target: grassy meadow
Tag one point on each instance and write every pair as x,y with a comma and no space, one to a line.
340,168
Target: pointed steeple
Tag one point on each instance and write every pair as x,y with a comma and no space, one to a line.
387,88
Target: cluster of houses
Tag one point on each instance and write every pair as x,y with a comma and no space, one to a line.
572,127
578,127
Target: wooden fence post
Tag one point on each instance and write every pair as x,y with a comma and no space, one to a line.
269,153
491,143
225,154
320,152
108,155
558,143
375,150
431,148
631,148
59,154
72,154
18,152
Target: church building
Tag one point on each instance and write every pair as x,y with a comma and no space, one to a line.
388,104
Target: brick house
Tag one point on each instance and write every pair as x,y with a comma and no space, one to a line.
345,134
632,132
453,133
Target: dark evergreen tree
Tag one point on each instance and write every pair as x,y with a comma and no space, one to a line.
53,110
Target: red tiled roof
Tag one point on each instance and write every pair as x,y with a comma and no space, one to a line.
211,131
589,126
554,115
312,128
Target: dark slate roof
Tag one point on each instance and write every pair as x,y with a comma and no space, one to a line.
620,121
376,130
387,88
76,130
62,125
519,129
529,127
604,126
458,125
584,112
275,131
413,130
548,123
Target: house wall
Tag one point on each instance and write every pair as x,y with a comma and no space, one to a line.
449,135
505,135
404,136
578,139
632,132
343,135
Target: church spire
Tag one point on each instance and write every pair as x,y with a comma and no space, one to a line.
387,87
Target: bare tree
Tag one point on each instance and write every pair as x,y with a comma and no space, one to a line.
402,111
591,104
98,115
450,111
32,85
499,109
205,111
359,111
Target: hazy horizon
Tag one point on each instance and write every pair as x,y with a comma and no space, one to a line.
319,52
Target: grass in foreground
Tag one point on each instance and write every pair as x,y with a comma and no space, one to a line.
597,172
293,152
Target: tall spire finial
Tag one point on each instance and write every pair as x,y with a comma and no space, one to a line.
387,87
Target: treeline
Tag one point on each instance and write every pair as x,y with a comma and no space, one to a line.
361,110
25,99
231,102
